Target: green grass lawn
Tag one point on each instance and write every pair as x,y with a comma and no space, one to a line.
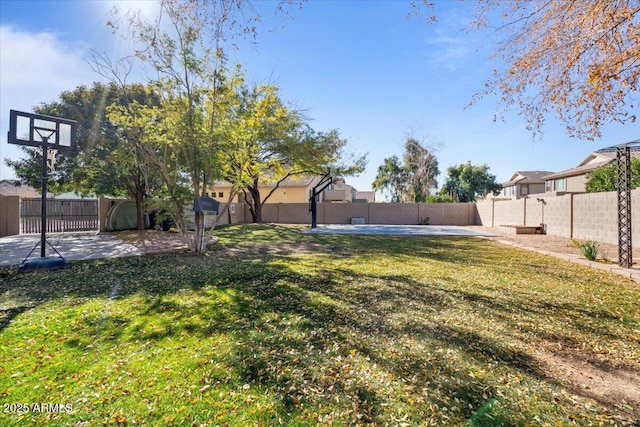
274,327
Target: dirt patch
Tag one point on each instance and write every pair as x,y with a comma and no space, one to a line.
153,241
587,376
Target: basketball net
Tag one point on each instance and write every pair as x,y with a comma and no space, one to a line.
51,157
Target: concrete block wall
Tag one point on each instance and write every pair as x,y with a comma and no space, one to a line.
534,212
269,212
448,213
9,215
508,212
373,213
294,213
341,213
394,213
595,217
290,213
557,215
484,214
583,216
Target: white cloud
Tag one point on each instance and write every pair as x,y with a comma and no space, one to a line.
35,68
450,52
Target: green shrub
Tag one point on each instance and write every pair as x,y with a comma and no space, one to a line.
438,198
589,249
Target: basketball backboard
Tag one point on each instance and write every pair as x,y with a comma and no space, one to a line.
36,130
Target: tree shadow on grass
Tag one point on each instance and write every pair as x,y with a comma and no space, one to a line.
366,314
8,314
360,324
511,305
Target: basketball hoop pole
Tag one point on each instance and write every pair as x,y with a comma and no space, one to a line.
45,177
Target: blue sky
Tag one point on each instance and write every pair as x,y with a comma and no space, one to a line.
363,67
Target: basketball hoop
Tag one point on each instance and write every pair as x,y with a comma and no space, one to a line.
325,181
50,134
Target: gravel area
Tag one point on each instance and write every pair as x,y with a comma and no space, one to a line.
545,242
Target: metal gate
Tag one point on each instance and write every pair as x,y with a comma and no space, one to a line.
62,215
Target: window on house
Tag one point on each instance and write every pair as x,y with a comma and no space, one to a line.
524,189
220,194
560,184
548,186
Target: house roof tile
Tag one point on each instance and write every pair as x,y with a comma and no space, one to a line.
12,187
598,158
526,177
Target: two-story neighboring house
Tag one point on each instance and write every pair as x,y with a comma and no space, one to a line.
524,183
574,180
340,191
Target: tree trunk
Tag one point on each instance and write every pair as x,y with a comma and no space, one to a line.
200,244
257,210
255,206
140,210
137,193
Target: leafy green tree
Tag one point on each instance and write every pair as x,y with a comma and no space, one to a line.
467,182
604,178
183,140
211,125
390,179
107,163
269,142
410,180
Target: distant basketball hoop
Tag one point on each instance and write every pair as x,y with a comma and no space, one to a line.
325,181
47,133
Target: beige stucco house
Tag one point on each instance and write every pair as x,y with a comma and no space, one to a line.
291,190
523,183
574,180
294,190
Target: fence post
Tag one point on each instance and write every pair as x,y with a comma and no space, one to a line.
13,225
571,218
493,210
103,209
